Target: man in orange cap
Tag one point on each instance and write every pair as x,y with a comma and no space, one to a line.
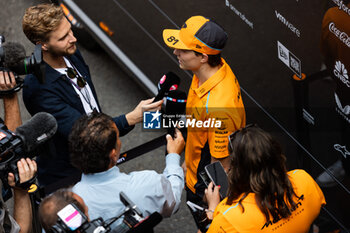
214,94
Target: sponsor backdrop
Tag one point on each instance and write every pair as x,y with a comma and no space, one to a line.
272,45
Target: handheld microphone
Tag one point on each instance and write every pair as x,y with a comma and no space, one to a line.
175,106
176,102
169,82
40,128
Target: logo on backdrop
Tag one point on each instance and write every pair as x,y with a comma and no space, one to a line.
240,14
342,6
151,120
342,36
341,72
343,111
308,117
342,150
287,23
289,59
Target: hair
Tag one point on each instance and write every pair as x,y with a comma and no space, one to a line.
258,166
39,21
91,140
52,204
213,60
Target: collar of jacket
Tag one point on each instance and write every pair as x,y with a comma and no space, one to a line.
51,75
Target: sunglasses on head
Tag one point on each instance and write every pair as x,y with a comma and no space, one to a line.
232,136
72,73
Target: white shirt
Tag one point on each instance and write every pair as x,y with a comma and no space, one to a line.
85,93
150,191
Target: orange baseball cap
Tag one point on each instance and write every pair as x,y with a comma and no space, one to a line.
199,34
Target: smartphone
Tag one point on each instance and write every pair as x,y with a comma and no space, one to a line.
71,217
205,178
218,176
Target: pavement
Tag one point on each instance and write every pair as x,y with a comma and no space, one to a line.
117,94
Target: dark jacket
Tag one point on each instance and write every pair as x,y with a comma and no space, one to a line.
57,97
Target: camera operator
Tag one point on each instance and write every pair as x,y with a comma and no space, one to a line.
26,168
95,148
22,206
53,203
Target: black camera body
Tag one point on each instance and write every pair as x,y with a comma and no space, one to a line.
24,143
71,219
13,58
11,150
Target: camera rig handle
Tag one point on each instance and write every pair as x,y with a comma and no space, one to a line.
25,185
18,87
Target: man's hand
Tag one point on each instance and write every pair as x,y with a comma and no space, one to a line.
213,198
177,144
11,105
184,167
136,115
26,169
7,80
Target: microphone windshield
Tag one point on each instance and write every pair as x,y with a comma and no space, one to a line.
176,102
169,81
14,54
40,128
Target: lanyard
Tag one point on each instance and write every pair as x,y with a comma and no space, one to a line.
87,95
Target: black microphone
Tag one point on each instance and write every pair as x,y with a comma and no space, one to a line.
176,102
15,59
14,54
175,107
40,128
170,81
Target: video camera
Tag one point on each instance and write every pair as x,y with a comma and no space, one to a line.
71,219
14,146
13,58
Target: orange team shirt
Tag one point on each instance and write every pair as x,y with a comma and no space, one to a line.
217,98
229,218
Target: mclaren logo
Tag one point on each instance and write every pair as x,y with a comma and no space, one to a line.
342,150
341,72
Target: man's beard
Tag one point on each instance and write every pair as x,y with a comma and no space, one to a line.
59,53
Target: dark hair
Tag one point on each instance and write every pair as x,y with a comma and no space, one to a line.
213,60
91,140
52,204
258,166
